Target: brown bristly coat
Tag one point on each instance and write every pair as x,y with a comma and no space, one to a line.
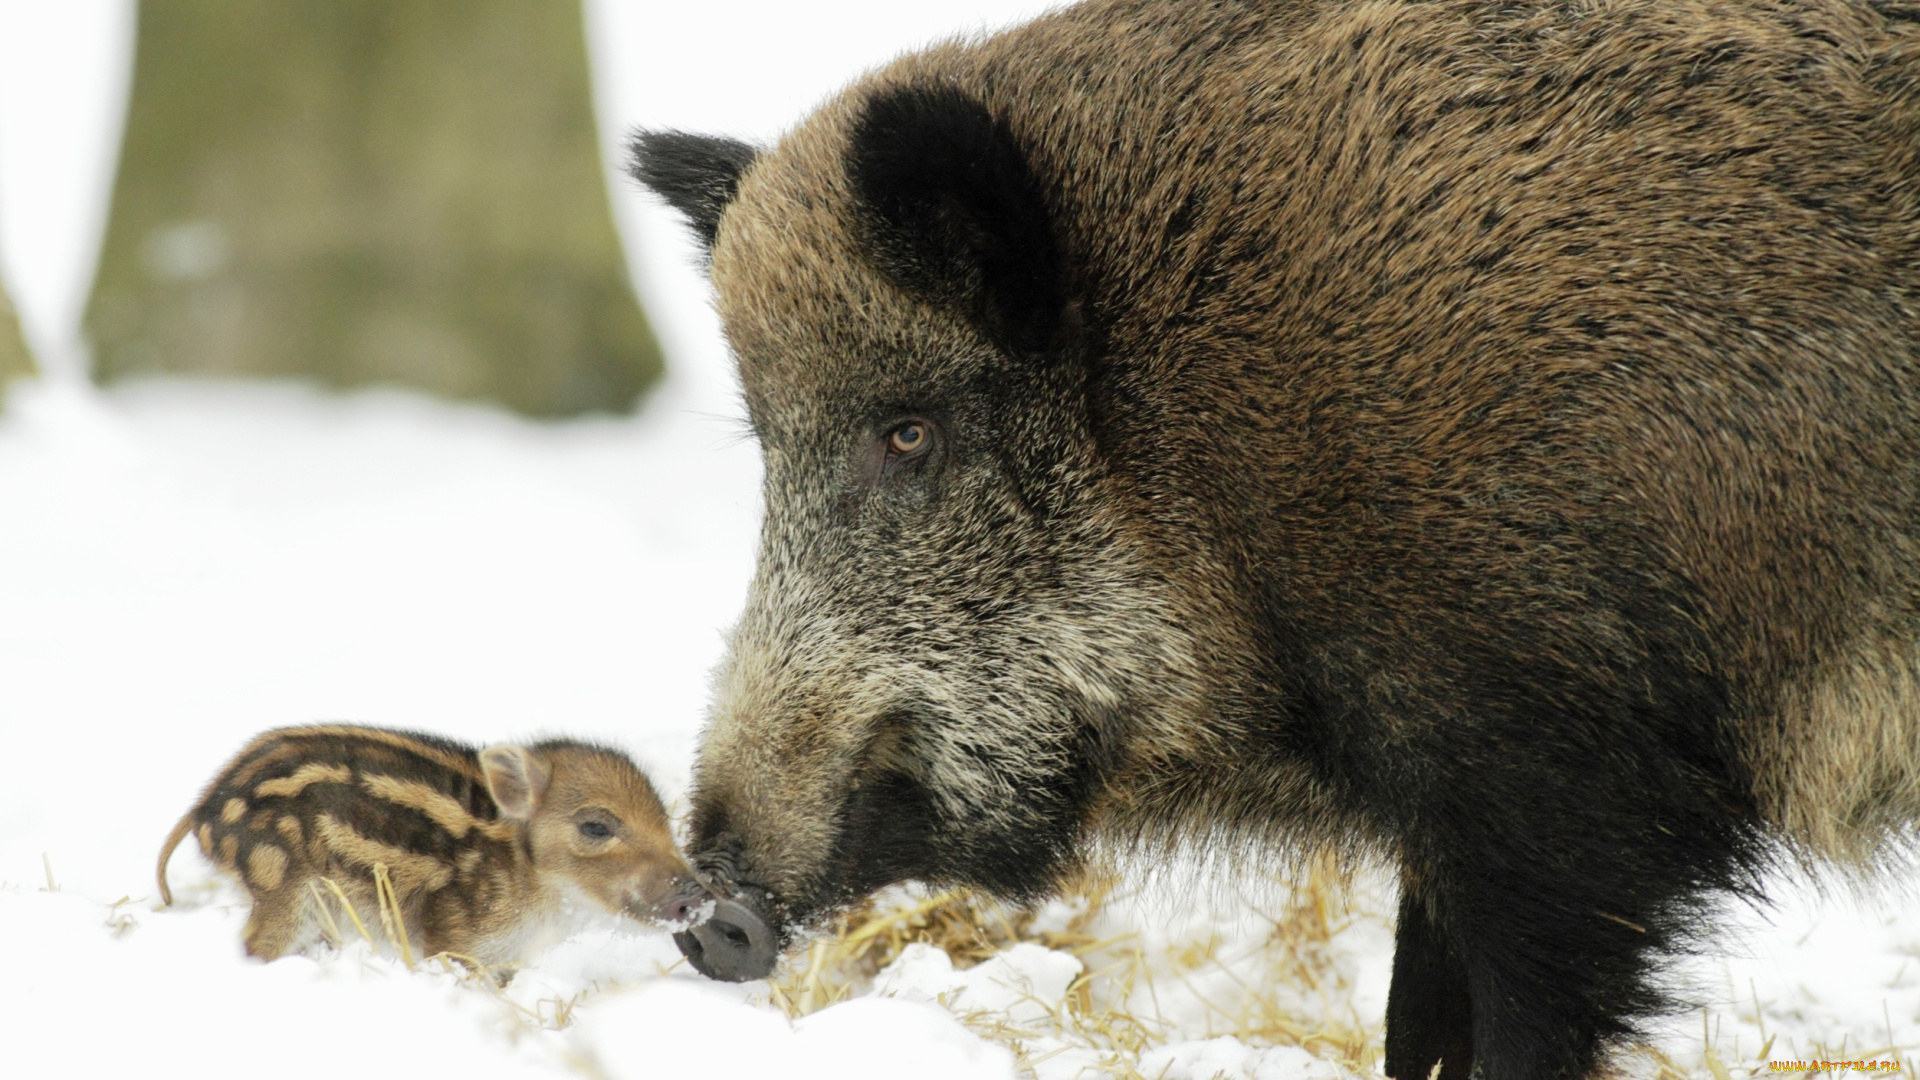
1480,434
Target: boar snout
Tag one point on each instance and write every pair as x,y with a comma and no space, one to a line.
736,943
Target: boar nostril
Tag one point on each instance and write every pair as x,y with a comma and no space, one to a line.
735,944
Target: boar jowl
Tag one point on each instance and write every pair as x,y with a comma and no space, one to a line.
1481,436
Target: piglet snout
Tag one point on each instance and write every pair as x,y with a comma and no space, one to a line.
687,904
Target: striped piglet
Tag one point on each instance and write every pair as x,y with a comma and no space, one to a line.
483,850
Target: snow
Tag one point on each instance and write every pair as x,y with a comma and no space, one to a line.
185,564
867,1037
1227,1058
1023,985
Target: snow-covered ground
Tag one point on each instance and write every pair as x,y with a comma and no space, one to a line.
182,565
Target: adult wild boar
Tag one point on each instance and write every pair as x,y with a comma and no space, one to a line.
1484,434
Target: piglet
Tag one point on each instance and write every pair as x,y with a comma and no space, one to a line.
484,849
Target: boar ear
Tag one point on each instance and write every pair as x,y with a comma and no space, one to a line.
955,212
516,778
697,175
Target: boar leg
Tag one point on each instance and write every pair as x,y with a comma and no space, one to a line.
1429,1015
1558,934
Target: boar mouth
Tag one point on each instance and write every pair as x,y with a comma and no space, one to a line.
885,835
887,829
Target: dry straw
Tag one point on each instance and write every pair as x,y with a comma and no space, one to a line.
1291,987
346,905
1111,1011
391,919
549,1014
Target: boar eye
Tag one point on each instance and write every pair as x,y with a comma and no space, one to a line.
907,446
595,830
909,438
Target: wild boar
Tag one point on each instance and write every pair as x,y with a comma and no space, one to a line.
1479,435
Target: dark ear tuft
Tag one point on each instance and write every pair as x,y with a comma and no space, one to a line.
955,212
697,175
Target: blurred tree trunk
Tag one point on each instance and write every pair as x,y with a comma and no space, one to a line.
15,360
369,191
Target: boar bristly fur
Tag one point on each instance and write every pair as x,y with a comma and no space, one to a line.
1480,435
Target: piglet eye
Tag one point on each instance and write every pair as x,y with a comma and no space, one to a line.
907,438
595,830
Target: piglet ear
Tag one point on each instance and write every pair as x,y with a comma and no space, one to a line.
697,175
516,778
955,212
